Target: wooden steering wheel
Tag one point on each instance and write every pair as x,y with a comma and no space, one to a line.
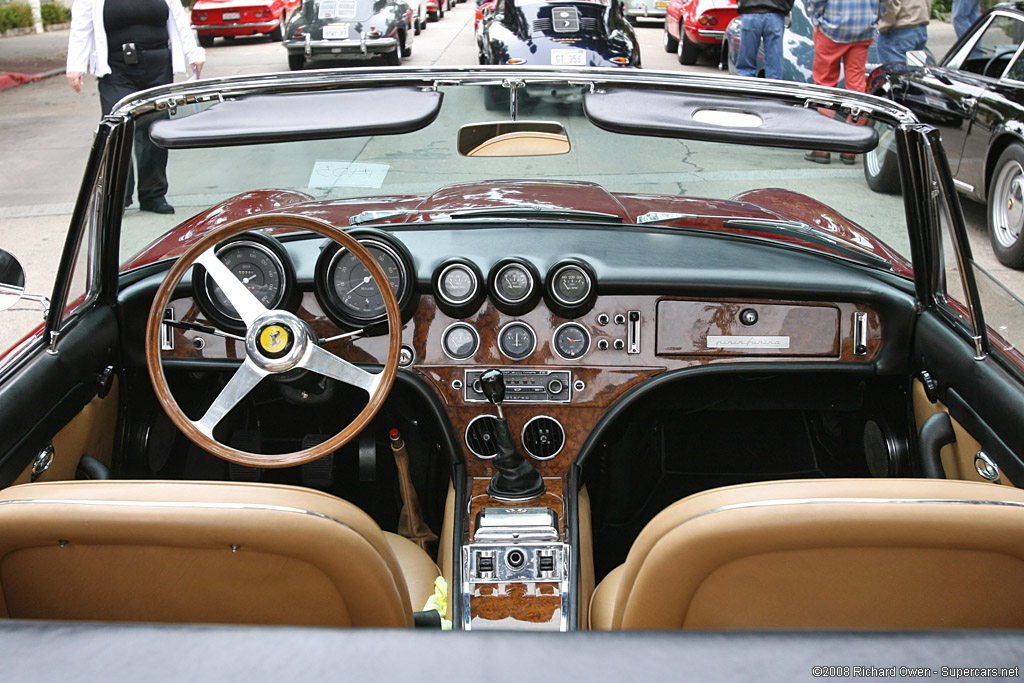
276,341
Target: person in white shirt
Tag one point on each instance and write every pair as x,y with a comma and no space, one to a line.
131,45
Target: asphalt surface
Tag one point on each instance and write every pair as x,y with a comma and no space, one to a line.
46,128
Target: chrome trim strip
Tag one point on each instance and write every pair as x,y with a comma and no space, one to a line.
257,24
962,186
354,45
711,33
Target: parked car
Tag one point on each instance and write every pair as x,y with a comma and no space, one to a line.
231,18
797,48
572,33
626,363
974,96
437,8
350,30
637,10
693,27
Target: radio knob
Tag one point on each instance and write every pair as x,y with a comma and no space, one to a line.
555,386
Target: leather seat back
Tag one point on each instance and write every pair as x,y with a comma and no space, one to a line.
195,552
877,554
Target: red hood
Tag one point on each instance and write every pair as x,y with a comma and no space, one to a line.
571,195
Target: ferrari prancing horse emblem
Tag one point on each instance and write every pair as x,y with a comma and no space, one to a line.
274,338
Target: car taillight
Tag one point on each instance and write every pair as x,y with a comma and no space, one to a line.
299,32
201,17
258,13
621,61
707,20
373,32
516,60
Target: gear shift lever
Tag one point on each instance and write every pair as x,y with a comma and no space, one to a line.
516,479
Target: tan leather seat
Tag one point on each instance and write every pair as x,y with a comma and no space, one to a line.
881,554
203,552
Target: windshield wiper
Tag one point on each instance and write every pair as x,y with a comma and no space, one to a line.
776,227
520,211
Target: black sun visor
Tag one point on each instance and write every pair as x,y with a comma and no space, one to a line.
748,121
292,118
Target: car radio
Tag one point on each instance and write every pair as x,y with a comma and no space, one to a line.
524,386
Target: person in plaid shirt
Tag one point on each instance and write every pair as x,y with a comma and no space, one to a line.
843,31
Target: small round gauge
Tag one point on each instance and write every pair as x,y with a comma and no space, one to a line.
353,287
571,285
514,283
517,340
256,267
572,341
460,341
457,284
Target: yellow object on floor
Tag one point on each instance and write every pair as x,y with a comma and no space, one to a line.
439,602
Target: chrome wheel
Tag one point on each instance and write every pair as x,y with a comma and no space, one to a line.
1007,206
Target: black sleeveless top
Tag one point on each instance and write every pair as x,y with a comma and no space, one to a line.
143,22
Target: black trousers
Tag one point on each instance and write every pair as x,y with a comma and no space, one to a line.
154,68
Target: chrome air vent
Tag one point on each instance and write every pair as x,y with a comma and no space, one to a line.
542,25
543,437
481,438
588,23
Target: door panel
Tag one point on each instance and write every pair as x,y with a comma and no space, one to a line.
47,392
982,397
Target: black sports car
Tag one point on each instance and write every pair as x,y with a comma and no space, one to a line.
350,29
975,96
534,32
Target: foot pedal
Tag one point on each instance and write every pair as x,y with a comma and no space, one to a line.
318,474
245,440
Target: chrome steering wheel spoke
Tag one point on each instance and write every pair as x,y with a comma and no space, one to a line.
238,387
246,305
326,363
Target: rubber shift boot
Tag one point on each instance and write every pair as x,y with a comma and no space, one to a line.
516,479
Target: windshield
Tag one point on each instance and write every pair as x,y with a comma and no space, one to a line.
426,174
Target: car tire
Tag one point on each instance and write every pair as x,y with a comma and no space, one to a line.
440,9
881,165
277,35
206,40
687,52
406,47
432,16
296,61
394,58
417,26
670,43
1006,207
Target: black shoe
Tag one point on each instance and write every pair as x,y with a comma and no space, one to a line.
157,206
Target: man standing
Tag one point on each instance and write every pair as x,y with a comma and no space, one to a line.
843,31
762,21
903,27
965,13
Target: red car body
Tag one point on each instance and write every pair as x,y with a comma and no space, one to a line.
212,18
702,22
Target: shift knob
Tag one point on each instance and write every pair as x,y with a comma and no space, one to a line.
493,383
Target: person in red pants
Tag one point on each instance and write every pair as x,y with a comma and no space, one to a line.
843,31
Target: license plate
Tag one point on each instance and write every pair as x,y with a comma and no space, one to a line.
336,32
572,57
231,16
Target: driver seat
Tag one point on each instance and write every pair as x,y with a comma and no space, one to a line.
203,552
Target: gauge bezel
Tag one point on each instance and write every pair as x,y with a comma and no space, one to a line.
476,340
523,304
460,309
586,333
328,297
533,334
212,309
559,305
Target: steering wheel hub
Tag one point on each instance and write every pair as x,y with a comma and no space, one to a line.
277,341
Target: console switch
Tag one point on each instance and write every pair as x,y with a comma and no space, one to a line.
633,333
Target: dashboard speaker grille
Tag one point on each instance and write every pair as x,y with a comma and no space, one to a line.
543,437
480,436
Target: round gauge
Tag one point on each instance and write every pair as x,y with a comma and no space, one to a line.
514,283
460,341
353,287
256,267
457,284
571,285
572,341
517,340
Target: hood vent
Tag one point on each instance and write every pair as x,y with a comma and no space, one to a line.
565,19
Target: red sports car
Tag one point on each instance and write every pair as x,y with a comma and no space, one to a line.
695,26
230,18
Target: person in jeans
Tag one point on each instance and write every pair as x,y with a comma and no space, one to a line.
843,31
903,27
965,13
762,21
132,45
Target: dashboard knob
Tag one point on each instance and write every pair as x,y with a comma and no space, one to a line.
555,386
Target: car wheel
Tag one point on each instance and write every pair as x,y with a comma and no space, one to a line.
277,35
440,9
406,47
206,40
432,16
881,165
417,26
393,58
687,51
296,61
670,43
1006,207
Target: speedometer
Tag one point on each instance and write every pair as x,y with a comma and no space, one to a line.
256,267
